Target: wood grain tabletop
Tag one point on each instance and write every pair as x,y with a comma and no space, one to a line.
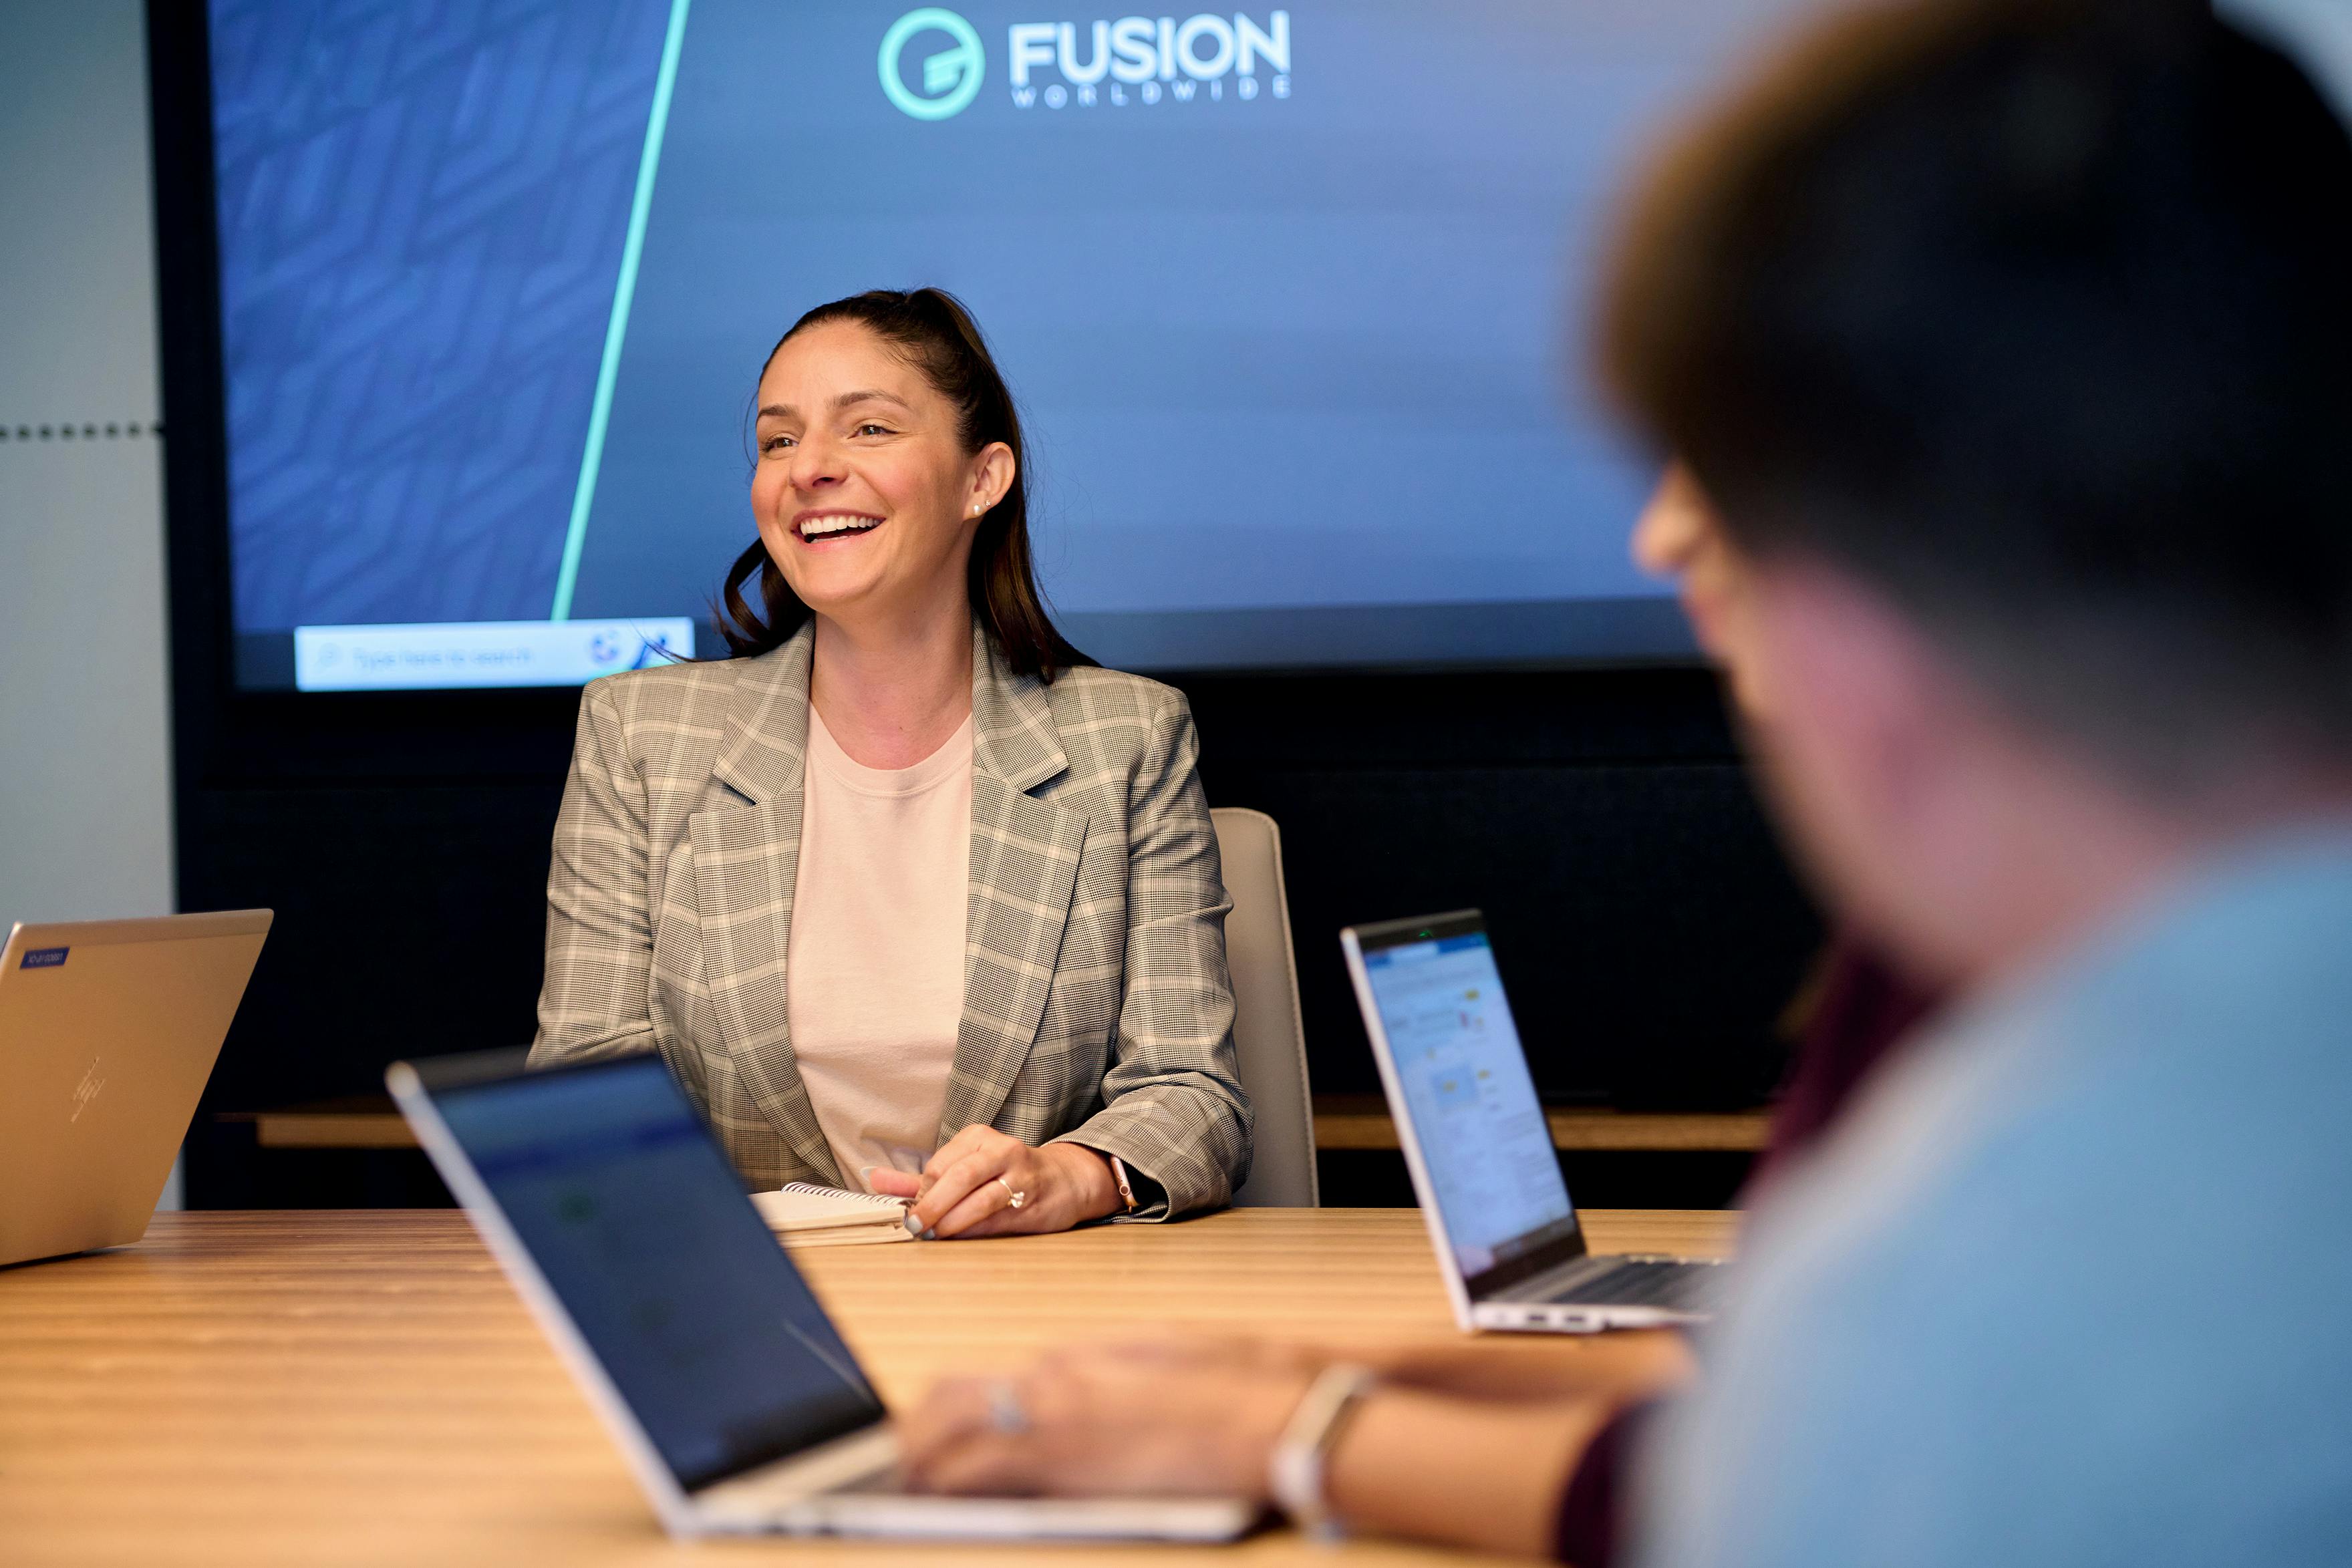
322,1386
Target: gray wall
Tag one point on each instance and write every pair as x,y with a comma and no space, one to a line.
85,728
85,777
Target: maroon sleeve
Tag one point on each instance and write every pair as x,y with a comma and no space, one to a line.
1589,1529
1864,1010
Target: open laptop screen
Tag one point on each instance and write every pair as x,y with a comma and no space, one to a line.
641,1231
1484,1144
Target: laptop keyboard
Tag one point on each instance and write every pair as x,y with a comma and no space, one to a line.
1677,1284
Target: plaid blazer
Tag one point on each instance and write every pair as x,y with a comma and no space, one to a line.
1096,1004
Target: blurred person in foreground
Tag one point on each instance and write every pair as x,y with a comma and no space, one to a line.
2010,343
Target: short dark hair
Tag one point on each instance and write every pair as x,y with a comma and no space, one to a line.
934,332
2037,315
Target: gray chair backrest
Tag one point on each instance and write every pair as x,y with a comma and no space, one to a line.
1267,1035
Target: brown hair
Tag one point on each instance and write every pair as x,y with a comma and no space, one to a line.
931,330
2033,313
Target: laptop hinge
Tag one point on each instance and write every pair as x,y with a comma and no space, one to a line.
1547,1285
810,1473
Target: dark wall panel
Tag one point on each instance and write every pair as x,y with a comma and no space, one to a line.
409,920
1639,916
1644,919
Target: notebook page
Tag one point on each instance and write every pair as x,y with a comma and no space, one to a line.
800,1205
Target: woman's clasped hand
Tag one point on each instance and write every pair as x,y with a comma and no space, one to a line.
983,1182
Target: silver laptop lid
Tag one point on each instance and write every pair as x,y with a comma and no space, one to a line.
1465,1106
109,1030
620,1223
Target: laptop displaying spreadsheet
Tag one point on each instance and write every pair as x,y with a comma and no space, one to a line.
1478,1146
1481,1128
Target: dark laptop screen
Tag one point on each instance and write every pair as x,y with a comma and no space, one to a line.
641,1231
1486,1146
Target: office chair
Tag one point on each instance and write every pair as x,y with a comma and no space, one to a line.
1267,1035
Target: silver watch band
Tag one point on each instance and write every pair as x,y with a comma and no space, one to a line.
1295,1473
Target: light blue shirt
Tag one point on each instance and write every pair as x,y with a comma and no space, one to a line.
2072,1284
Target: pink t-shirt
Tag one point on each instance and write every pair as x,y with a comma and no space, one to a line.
874,978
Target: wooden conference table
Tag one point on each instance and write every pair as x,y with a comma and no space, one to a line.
312,1387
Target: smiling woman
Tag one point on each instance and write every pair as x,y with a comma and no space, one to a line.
909,893
929,337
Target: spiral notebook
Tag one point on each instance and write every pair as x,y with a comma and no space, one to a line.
802,1214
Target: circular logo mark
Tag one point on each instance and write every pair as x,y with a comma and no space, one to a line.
951,78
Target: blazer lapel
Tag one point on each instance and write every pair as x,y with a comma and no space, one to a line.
746,863
1024,866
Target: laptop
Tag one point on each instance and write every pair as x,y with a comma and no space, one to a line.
108,1031
1479,1147
739,1409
